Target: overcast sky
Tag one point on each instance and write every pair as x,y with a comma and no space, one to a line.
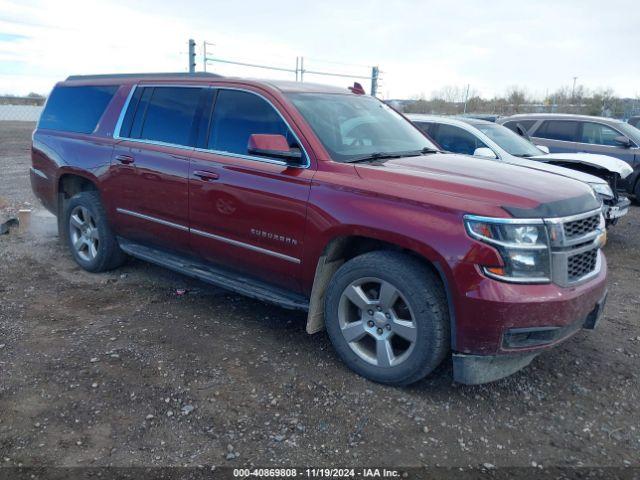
420,46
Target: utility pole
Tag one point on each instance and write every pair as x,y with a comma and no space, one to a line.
192,55
204,56
375,73
573,90
466,97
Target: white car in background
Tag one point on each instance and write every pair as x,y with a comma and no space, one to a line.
488,140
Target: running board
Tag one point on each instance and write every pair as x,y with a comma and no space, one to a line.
247,286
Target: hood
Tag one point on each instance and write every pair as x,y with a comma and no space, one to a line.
611,164
555,169
478,186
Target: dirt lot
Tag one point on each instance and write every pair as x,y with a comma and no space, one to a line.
117,369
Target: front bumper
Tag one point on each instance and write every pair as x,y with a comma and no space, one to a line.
616,208
478,369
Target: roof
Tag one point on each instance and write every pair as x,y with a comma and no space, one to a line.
281,85
559,116
454,119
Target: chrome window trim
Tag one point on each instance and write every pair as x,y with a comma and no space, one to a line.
123,111
220,238
167,223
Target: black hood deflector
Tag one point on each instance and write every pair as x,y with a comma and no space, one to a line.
559,208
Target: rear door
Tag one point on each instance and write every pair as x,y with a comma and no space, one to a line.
248,213
560,136
148,180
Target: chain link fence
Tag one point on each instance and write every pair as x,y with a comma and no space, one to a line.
20,113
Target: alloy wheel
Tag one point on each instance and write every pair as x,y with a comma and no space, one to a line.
84,234
377,322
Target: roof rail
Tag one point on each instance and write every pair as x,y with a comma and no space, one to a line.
142,75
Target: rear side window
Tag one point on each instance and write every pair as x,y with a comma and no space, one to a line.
564,130
162,114
238,115
76,109
513,125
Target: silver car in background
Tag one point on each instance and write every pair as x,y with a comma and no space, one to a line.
567,134
487,140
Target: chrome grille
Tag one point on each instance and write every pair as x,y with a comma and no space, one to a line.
579,228
581,264
575,247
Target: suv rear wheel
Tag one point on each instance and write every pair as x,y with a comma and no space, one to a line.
386,315
91,241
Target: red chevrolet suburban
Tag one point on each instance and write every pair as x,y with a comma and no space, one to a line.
326,200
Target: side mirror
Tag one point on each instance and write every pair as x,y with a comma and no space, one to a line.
484,152
544,148
265,145
623,141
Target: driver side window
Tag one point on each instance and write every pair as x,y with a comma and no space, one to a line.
457,140
237,115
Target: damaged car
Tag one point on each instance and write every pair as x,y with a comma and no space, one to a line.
488,140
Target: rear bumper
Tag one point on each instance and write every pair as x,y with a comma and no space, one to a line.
478,369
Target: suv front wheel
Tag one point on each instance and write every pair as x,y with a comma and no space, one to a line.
386,315
91,241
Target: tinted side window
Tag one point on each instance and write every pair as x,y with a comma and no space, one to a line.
513,125
558,130
237,115
456,140
167,116
425,127
598,134
76,109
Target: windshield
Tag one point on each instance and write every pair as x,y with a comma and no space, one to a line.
509,141
630,131
356,126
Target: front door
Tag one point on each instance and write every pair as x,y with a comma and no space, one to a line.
148,180
248,213
599,138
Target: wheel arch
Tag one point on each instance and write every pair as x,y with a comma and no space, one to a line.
342,248
70,182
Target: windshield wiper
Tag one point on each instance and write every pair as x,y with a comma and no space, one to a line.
387,155
523,155
428,150
376,156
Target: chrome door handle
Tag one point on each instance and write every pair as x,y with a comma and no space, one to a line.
125,159
206,176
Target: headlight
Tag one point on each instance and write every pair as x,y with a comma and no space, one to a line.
602,190
522,244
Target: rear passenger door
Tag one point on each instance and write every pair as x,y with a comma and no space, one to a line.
248,213
559,135
148,181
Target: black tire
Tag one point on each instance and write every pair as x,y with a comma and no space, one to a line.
423,293
636,192
108,253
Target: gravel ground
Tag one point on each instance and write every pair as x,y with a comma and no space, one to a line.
118,369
